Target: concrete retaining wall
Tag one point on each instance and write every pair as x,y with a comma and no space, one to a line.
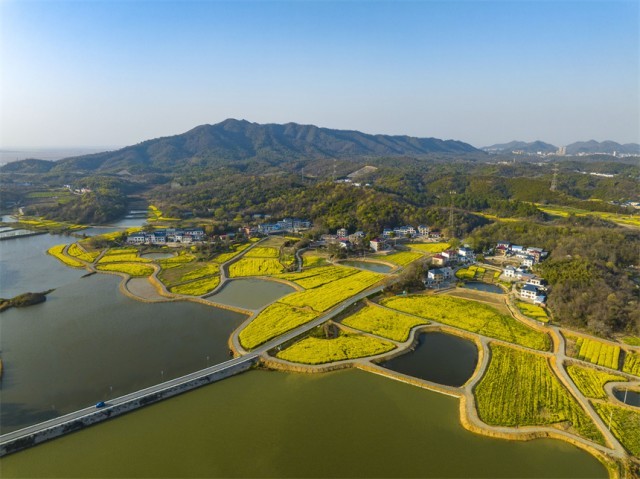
109,412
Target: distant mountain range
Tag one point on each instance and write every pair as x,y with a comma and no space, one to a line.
241,140
580,147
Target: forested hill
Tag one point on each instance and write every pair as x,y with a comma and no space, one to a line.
241,140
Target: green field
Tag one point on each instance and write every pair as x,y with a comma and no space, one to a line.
274,320
313,350
565,211
237,249
590,381
383,322
625,424
176,261
520,389
311,261
470,316
318,276
631,340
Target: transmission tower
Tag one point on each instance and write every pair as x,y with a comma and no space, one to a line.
334,169
451,223
554,180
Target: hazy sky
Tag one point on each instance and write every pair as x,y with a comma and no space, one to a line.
106,73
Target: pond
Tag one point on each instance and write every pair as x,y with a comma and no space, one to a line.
271,424
440,358
88,342
8,219
251,293
486,287
629,397
370,266
157,255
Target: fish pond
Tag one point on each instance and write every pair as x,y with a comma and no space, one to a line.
251,293
486,287
629,397
368,265
438,357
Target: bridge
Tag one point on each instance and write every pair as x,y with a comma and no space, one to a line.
77,420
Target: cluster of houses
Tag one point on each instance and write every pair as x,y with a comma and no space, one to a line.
528,255
535,290
454,256
411,232
169,235
287,225
343,238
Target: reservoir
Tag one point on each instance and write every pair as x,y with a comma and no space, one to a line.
440,358
631,398
370,266
343,424
251,293
88,343
486,287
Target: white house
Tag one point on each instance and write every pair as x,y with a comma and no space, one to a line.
466,253
529,291
342,233
439,275
509,272
423,230
528,261
377,244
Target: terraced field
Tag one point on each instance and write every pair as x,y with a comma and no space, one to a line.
274,320
520,389
591,381
625,424
313,350
383,322
470,316
596,352
631,363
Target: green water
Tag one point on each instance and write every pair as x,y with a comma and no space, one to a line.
368,265
268,424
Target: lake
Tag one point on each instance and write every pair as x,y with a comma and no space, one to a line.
88,342
270,424
438,357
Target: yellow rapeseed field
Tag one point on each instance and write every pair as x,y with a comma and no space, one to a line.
79,252
315,277
255,267
520,389
625,424
259,252
383,322
56,251
431,248
197,287
311,261
597,352
470,316
176,261
533,311
132,269
401,258
591,381
631,363
312,350
274,320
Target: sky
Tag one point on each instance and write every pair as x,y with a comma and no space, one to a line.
113,73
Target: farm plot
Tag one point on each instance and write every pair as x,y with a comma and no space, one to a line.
176,261
625,424
197,287
314,350
631,363
596,352
431,248
402,258
533,311
470,316
520,389
132,269
57,252
311,261
329,294
255,267
81,253
590,381
318,276
471,273
274,320
120,255
237,249
383,322
260,252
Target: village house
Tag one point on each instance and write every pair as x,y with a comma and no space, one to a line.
529,291
438,260
439,275
435,234
423,230
466,253
378,244
538,283
342,233
450,255
170,235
